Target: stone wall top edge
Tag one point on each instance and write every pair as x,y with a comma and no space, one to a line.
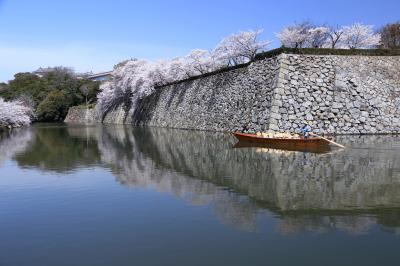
334,55
226,71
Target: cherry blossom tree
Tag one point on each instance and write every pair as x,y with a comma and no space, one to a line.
107,97
318,37
239,48
134,79
305,34
358,36
296,35
178,69
199,62
14,114
159,73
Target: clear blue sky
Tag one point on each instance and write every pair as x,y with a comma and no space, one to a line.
95,35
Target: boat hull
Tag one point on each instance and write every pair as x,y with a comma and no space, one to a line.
311,144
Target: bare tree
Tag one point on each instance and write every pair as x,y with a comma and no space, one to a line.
390,34
334,34
85,91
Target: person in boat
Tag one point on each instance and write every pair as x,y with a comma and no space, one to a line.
305,130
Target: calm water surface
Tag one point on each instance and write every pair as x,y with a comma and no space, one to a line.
106,195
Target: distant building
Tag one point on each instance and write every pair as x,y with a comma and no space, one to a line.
102,76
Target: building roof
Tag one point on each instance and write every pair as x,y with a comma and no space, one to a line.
101,74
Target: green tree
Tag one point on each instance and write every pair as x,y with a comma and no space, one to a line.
54,93
54,107
26,84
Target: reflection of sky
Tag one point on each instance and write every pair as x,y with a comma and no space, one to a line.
88,214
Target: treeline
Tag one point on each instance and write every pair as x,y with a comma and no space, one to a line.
48,96
355,36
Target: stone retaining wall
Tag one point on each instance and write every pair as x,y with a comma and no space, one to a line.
81,115
334,94
338,94
237,100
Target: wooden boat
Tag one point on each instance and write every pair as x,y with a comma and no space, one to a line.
311,144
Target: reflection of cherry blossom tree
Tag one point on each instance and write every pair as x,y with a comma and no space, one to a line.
16,142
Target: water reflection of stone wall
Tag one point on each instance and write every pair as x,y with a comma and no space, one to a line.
343,179
120,150
198,165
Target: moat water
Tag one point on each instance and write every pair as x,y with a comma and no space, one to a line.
114,195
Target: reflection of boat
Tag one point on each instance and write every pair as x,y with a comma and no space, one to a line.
311,144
